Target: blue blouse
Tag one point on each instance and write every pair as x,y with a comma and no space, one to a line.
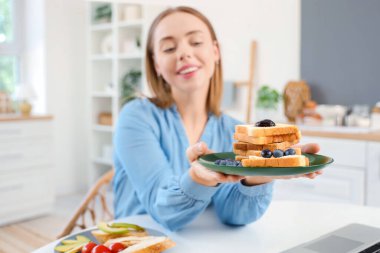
151,170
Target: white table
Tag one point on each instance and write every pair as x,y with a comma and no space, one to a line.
284,225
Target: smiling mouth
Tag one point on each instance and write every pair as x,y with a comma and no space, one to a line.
188,70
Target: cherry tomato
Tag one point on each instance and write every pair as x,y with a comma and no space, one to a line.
101,249
88,247
116,247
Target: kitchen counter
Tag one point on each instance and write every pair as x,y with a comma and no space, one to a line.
353,133
18,117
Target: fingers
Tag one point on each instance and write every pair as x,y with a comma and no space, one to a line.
196,150
313,174
210,178
311,148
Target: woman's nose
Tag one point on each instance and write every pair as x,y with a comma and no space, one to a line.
184,53
183,57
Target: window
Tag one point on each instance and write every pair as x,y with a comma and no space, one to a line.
10,50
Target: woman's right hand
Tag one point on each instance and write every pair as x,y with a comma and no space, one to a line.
201,174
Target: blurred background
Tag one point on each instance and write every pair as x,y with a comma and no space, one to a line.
68,66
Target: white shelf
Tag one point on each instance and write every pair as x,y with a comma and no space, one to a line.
101,27
130,56
101,160
131,23
99,57
103,128
106,70
100,94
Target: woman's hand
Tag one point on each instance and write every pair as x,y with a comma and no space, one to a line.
311,148
201,174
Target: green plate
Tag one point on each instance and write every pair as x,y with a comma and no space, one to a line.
317,162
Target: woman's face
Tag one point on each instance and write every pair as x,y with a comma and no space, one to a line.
184,53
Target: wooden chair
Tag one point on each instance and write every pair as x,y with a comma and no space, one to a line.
88,209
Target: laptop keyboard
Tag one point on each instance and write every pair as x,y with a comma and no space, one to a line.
373,249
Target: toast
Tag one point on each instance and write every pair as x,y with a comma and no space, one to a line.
258,152
267,139
144,244
285,161
278,129
249,146
155,244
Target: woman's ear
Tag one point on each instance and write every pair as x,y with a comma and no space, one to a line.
216,51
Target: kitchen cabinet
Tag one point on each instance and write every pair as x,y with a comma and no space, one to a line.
26,164
373,174
354,177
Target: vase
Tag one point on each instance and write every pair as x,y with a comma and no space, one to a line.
25,108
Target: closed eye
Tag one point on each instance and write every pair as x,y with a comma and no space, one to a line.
196,43
169,50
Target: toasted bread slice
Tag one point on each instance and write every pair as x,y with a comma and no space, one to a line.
249,146
102,237
240,157
285,161
258,152
279,129
268,139
155,244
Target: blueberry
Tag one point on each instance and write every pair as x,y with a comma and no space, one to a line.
223,162
229,163
266,153
265,123
278,153
290,151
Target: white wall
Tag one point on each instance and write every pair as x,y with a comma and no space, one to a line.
33,67
65,82
275,25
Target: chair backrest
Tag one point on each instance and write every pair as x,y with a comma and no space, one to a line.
88,207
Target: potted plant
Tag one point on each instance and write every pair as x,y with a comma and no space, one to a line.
129,85
267,102
103,13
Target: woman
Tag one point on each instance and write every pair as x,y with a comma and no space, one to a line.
158,140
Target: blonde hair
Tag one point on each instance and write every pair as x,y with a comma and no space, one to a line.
162,93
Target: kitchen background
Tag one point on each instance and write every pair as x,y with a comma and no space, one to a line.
77,60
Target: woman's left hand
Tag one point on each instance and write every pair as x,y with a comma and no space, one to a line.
310,148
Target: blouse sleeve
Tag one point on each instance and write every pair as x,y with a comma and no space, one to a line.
237,204
172,200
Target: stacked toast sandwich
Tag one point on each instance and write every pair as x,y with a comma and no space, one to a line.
267,144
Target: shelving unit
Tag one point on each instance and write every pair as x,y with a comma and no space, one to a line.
115,47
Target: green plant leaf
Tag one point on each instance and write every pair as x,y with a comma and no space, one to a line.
129,85
267,97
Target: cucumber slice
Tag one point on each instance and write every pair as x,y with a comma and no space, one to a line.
110,230
126,225
82,238
64,248
66,242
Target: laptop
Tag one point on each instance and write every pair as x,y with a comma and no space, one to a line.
353,238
